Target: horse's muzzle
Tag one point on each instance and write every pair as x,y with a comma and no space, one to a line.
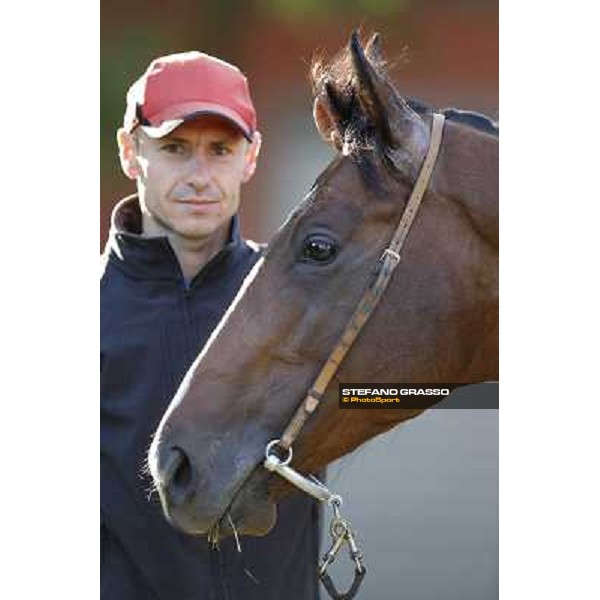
190,505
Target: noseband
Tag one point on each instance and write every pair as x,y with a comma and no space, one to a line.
340,529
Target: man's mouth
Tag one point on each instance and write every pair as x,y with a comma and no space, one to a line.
200,205
197,201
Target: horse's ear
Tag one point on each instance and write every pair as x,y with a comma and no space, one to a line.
325,122
404,133
373,49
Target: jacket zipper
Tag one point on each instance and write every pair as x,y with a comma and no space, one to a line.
188,324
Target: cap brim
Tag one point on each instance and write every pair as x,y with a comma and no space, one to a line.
169,125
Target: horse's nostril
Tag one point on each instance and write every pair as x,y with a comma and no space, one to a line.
177,475
182,477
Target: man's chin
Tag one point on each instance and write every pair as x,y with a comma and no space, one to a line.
192,227
197,231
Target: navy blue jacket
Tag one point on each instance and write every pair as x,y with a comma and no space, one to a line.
152,328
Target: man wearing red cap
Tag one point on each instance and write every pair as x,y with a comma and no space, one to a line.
173,262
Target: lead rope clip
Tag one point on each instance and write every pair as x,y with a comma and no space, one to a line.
340,530
341,533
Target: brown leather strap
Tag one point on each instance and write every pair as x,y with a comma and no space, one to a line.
389,260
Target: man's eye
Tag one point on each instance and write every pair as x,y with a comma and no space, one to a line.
221,149
174,148
318,248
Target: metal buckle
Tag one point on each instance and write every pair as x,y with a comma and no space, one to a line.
389,258
392,254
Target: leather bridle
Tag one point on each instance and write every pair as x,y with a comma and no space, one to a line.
389,261
340,529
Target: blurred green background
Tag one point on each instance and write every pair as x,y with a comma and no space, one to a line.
452,61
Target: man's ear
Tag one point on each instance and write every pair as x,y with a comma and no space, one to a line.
128,154
252,156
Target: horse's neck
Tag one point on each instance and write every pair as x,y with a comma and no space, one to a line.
467,173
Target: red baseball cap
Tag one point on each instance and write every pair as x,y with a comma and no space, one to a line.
181,87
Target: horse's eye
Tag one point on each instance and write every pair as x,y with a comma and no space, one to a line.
318,248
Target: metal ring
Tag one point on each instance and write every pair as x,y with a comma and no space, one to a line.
335,501
270,445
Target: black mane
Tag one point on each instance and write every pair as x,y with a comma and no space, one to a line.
467,117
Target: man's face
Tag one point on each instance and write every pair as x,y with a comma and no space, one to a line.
189,181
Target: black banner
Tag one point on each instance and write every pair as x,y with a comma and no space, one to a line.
418,395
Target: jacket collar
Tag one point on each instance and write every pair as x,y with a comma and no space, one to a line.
153,257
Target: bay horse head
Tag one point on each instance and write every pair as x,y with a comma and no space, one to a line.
437,321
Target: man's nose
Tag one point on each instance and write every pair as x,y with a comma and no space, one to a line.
200,173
